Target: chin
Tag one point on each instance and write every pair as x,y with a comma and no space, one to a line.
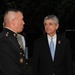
19,31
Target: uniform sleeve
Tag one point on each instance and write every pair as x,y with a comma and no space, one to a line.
8,64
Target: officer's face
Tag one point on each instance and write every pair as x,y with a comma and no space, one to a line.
19,22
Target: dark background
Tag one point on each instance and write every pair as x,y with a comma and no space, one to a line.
34,13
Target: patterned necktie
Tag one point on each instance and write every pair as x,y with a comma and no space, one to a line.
52,48
20,41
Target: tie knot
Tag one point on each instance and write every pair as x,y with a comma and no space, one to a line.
51,39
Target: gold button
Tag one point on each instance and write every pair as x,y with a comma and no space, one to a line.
21,60
20,53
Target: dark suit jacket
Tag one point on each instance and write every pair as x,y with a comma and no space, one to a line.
12,59
42,60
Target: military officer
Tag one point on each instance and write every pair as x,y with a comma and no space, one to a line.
12,58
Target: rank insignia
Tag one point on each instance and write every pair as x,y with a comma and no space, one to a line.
14,35
7,33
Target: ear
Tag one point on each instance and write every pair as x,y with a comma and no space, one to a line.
57,26
13,22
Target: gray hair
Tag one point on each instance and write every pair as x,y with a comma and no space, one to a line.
52,17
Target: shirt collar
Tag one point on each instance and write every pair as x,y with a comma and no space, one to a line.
11,30
51,37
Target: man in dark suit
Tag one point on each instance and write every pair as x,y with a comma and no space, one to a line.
44,63
12,58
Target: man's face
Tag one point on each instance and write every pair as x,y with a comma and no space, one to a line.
19,22
50,27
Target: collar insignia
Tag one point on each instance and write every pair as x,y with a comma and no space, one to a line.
7,33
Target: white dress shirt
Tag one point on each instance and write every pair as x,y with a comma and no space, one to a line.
54,40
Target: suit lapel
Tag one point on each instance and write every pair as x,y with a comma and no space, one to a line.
58,48
48,48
